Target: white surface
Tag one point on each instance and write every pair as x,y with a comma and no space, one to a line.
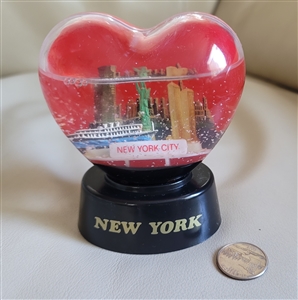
44,256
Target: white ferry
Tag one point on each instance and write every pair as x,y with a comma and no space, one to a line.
112,131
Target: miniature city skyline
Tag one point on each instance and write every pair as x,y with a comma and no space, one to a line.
179,108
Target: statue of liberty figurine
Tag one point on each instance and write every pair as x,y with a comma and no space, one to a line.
144,100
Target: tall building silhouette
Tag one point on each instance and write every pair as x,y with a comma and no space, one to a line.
182,112
131,109
105,96
202,111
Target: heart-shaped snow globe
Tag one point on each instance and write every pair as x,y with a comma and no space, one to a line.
145,106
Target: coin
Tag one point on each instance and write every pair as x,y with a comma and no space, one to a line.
242,261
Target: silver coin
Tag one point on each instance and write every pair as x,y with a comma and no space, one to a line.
242,261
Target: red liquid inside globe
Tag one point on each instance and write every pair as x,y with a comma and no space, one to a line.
143,98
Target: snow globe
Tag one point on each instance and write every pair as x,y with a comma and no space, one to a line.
145,106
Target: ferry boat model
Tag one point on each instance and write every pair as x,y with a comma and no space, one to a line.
113,132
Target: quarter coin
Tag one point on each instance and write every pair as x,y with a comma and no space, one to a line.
242,261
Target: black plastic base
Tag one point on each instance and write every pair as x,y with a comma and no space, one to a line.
148,219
